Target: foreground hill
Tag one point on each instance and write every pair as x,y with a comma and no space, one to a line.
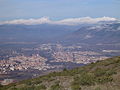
102,75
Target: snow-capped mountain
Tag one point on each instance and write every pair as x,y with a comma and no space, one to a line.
99,33
78,30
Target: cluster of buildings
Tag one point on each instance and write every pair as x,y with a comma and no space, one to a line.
22,63
58,52
83,57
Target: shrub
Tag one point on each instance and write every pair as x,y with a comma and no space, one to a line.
110,72
99,72
64,69
56,87
76,87
41,87
28,83
98,88
75,84
37,82
104,79
87,79
1,85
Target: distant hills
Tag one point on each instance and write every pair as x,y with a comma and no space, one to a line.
102,75
33,33
101,32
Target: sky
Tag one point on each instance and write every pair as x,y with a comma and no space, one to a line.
58,9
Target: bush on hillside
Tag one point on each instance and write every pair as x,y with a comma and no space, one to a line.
99,72
104,79
56,87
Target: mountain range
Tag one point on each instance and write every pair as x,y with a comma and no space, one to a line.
97,32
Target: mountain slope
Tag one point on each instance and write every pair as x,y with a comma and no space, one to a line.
101,33
104,32
33,33
102,75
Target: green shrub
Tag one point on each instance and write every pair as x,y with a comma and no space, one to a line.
41,87
75,84
76,87
64,69
99,72
24,88
56,87
104,79
37,82
87,79
28,83
1,85
98,88
110,72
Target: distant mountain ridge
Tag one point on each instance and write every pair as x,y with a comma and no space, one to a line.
102,32
32,33
99,33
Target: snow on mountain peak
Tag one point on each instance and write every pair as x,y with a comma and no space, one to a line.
69,21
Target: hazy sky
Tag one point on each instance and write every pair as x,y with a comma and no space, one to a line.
58,9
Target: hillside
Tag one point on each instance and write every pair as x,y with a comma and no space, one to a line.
104,32
102,75
101,33
33,33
